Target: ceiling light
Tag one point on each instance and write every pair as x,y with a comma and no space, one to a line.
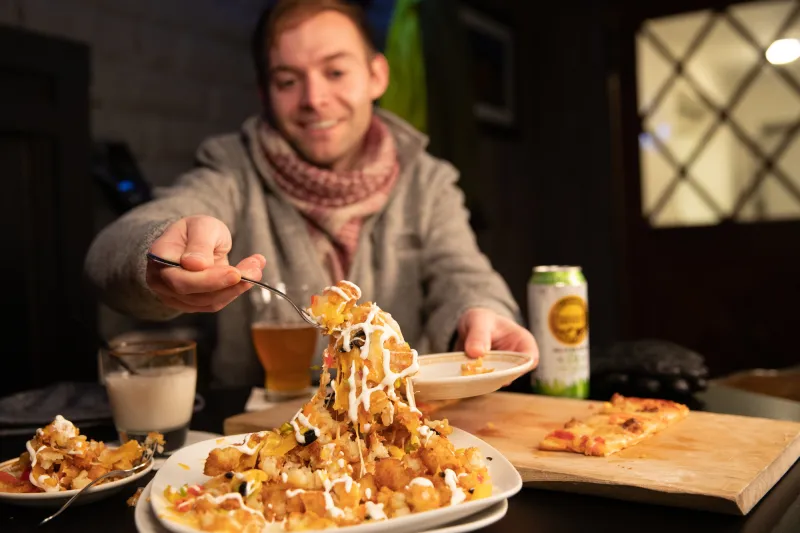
783,51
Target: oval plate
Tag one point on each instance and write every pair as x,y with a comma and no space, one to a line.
439,376
186,466
57,499
146,521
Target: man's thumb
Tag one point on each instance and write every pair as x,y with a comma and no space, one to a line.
478,333
202,240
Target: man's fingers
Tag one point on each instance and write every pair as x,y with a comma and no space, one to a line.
478,339
250,266
182,282
206,239
172,243
213,300
184,307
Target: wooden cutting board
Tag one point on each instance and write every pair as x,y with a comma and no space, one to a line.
716,462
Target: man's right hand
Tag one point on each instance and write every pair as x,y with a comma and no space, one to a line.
207,283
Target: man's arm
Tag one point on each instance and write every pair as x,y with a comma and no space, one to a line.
456,275
116,261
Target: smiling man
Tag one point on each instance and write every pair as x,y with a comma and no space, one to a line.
320,186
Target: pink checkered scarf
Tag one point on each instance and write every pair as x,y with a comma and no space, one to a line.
335,203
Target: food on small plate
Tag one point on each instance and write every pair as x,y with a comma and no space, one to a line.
620,423
362,453
59,458
475,367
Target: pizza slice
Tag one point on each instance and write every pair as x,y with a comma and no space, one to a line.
621,423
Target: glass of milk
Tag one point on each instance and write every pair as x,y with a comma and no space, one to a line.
151,387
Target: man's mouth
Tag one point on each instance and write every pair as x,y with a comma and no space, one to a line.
320,125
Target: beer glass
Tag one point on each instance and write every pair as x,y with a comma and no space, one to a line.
284,342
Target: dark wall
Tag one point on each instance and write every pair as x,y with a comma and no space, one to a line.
550,199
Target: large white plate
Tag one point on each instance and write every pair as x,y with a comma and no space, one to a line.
57,499
439,376
186,466
146,521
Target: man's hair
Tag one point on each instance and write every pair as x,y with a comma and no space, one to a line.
280,15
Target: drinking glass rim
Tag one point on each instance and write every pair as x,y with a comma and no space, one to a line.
171,347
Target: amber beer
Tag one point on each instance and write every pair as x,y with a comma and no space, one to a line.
285,352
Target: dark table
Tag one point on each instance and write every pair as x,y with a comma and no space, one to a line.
531,510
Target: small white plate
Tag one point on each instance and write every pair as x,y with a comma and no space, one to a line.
439,376
146,521
186,466
57,499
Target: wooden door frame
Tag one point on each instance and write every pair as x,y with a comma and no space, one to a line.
630,226
60,70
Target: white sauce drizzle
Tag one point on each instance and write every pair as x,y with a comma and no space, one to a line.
33,453
294,492
245,448
298,435
410,394
65,427
336,290
356,288
457,494
218,500
375,511
61,427
425,431
40,482
422,481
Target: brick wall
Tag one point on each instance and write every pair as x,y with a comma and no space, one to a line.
165,73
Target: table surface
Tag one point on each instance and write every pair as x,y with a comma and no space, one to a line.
530,510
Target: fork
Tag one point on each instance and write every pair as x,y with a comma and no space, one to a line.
303,314
147,456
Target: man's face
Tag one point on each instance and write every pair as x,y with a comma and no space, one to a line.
322,83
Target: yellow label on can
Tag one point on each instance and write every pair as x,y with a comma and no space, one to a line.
568,320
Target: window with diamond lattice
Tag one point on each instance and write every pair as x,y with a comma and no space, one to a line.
719,122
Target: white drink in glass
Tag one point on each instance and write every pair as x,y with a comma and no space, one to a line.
154,399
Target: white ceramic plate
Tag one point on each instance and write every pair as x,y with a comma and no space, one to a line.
186,466
439,376
146,521
57,499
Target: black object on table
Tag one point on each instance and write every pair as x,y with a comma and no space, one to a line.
531,510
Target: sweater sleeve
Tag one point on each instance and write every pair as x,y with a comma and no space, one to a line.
116,261
456,275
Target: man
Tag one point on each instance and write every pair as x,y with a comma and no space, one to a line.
324,188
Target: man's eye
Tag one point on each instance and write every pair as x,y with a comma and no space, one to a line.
284,84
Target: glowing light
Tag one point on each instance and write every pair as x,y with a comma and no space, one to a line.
783,51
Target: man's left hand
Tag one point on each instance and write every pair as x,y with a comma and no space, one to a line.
481,330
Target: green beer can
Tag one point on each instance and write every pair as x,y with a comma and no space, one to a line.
559,319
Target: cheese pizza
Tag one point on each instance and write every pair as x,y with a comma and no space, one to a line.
620,423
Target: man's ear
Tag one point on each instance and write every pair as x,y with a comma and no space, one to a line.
379,75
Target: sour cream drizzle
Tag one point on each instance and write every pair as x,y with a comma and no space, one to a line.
387,332
298,435
457,494
245,448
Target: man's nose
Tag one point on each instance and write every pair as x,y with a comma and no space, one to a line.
315,94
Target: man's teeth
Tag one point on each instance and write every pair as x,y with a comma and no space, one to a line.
323,125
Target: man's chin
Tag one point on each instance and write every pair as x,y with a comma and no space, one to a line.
320,159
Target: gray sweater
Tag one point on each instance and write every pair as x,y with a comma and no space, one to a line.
417,258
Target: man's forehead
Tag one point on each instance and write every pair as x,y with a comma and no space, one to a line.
317,39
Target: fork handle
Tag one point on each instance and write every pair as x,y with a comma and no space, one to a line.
123,473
